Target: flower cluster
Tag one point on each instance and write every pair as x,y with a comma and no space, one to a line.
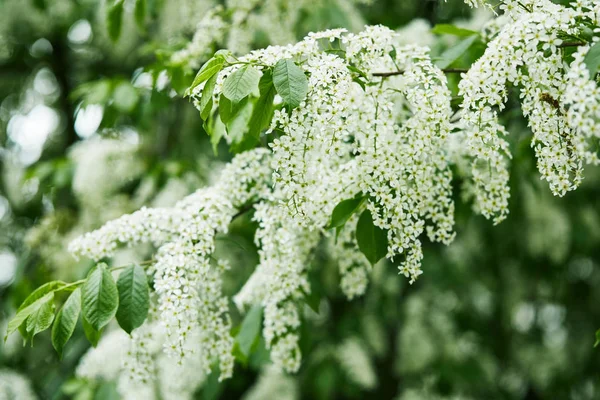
187,284
526,52
15,386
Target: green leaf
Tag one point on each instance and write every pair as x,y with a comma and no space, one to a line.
241,83
372,240
229,110
25,312
125,97
249,330
263,110
100,298
41,319
448,29
344,210
139,14
592,60
92,335
41,292
210,68
313,300
65,322
206,101
134,298
114,19
290,82
597,338
449,56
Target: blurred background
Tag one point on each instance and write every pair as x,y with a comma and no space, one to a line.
93,125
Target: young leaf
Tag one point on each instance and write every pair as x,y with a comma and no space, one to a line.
206,101
372,240
100,298
210,68
41,292
290,82
241,83
41,319
249,330
447,29
134,298
25,312
92,335
65,322
449,56
114,19
262,113
592,59
344,210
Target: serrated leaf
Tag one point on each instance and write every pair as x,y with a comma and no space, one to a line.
210,68
114,19
592,60
344,210
139,14
92,335
65,322
100,297
448,29
134,298
449,56
290,82
41,319
262,112
25,312
249,330
372,240
241,83
206,100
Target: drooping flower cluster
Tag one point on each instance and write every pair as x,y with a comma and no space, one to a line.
187,284
526,52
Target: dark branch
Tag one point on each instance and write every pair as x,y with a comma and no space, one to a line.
461,70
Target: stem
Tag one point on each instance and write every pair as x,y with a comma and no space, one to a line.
461,70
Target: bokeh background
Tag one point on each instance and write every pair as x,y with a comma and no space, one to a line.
93,125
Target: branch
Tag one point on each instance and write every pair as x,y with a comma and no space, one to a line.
461,70
400,72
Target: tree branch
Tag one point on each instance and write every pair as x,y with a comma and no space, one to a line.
461,70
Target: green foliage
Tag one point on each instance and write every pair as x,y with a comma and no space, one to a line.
139,13
241,83
372,240
65,322
93,335
344,210
134,298
262,112
290,82
449,29
592,59
451,55
114,19
249,331
210,69
100,298
42,316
